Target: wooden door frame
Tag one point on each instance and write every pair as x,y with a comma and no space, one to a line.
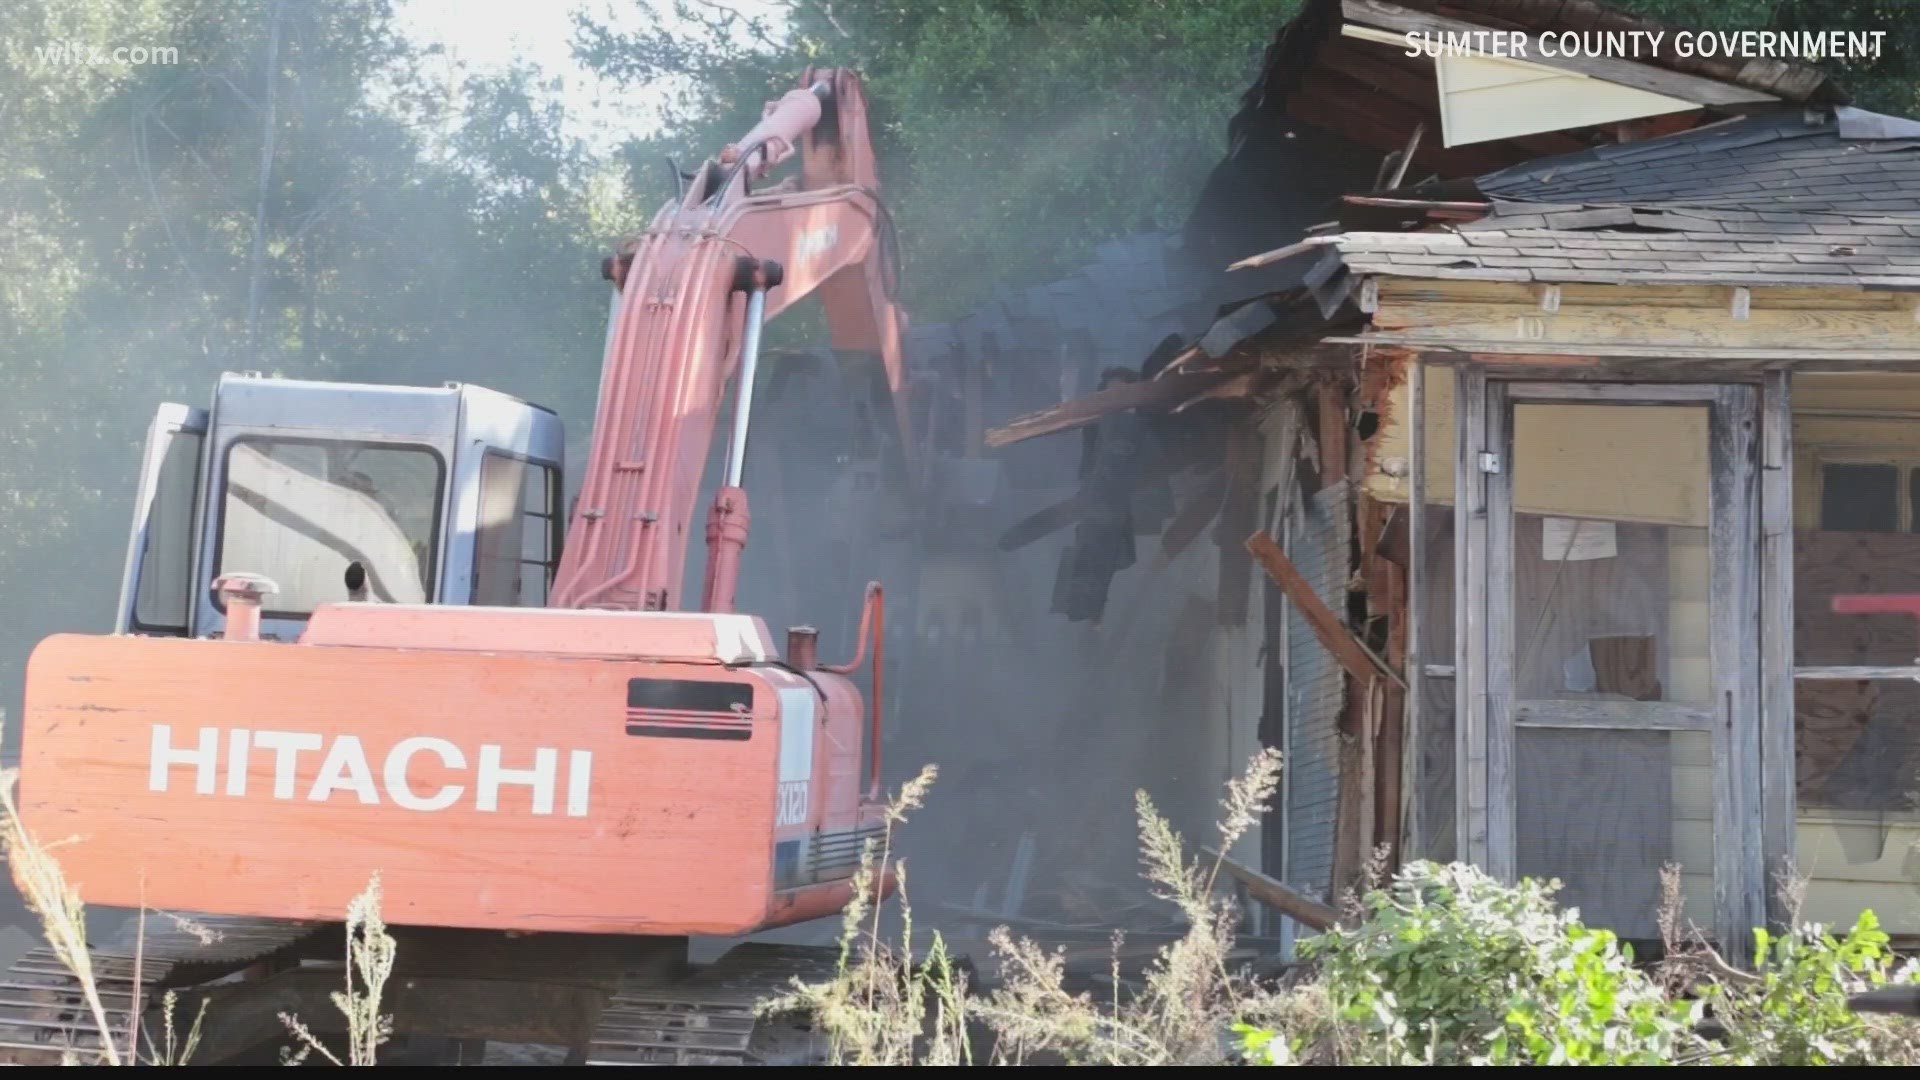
1750,648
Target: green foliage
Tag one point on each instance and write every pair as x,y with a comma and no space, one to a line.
1260,1046
1889,83
1450,967
1013,135
1795,1012
416,224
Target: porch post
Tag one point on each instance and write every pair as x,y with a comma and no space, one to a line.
1778,782
1470,628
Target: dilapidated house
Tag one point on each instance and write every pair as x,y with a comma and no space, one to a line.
1562,467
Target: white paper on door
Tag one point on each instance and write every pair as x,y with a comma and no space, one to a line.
1577,539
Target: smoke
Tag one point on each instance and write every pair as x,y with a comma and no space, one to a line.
385,221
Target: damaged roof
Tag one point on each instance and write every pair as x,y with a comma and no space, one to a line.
1701,246
1793,199
1855,162
1790,81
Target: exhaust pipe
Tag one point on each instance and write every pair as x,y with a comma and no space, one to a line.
241,595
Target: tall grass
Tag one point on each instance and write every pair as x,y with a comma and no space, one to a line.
370,955
883,1008
57,905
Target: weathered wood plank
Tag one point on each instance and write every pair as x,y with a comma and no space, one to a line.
1390,754
1082,411
1327,626
1277,895
1502,783
1476,208
1623,715
1849,673
1413,837
1612,392
1778,780
1700,91
1370,120
1470,615
1734,539
1354,798
1799,353
1398,295
1268,258
1332,412
1711,324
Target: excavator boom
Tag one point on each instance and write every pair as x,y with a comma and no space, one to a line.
691,295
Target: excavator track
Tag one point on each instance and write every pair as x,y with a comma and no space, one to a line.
45,1017
709,1019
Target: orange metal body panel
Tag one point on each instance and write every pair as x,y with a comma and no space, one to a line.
641,835
656,635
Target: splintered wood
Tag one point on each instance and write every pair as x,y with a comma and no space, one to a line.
1333,634
1276,894
1085,410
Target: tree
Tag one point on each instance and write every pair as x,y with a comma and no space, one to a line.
303,193
1013,135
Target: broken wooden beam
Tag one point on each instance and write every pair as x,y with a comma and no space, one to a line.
1082,411
1268,258
1233,386
1191,353
1045,522
1359,661
1192,518
1415,204
1277,895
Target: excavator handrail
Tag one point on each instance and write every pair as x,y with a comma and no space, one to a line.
873,618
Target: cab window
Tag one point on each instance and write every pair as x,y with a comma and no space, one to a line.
516,548
162,594
300,511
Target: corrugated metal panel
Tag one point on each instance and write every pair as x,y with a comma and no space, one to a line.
1318,544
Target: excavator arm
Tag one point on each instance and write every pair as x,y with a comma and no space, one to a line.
692,293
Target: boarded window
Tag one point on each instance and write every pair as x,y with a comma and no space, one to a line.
1856,741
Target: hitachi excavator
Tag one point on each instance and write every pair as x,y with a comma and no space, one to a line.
352,642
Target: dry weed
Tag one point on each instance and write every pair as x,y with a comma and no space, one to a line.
1191,997
881,1008
173,1051
56,904
370,955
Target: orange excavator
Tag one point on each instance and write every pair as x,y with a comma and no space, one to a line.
353,640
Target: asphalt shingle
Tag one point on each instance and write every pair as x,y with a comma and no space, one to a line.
1781,161
1701,246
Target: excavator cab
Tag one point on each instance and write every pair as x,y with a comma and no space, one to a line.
418,495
